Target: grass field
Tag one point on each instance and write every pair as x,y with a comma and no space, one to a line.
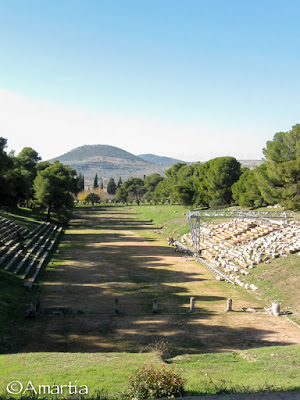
251,370
172,219
110,252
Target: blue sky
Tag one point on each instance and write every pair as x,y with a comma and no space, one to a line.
190,79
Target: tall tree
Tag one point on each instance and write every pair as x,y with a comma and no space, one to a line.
151,182
279,179
80,181
120,182
54,187
220,175
111,186
95,184
122,195
135,189
245,191
26,162
7,196
92,198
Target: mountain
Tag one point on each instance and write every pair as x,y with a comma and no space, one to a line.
159,160
113,162
107,161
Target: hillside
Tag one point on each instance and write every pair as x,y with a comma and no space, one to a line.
159,160
107,161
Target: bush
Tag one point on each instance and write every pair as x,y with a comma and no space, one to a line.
150,383
217,203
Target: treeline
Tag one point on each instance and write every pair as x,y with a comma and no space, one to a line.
27,181
222,181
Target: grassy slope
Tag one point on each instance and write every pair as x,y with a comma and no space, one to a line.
279,281
23,217
13,300
172,219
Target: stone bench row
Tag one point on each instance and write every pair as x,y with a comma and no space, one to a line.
15,238
27,257
11,231
33,252
39,252
44,257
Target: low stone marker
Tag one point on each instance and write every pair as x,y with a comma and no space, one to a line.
155,308
192,304
229,305
276,309
117,306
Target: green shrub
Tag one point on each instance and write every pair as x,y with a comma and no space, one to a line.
150,383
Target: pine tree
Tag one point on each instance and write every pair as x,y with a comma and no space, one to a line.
120,182
101,183
111,186
95,185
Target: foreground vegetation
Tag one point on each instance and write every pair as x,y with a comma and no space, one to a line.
255,370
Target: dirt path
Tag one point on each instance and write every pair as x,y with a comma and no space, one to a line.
108,254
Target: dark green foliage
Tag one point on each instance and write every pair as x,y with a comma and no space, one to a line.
54,187
151,182
245,191
80,180
95,184
135,189
221,174
162,192
42,165
13,301
6,165
92,198
151,383
26,165
279,179
185,193
122,195
120,182
111,186
199,184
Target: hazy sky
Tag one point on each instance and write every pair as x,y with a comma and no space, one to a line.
191,79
